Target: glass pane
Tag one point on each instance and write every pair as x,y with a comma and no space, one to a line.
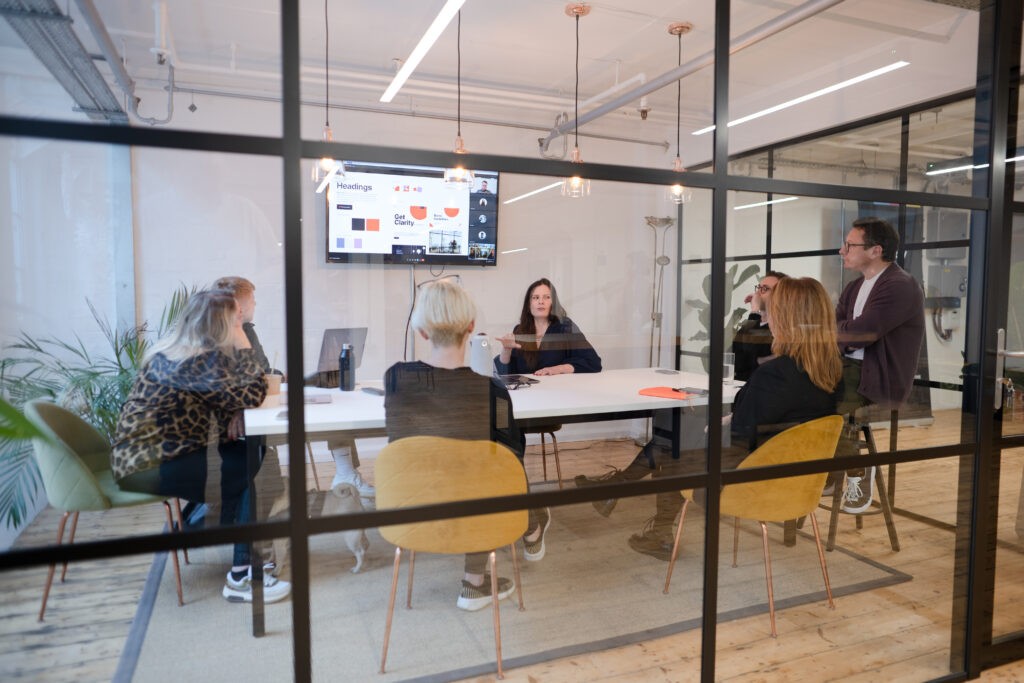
919,53
1010,532
63,69
912,588
941,149
868,156
504,106
618,269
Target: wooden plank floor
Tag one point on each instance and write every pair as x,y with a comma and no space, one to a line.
897,633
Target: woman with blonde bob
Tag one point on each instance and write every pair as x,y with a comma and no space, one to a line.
802,382
440,396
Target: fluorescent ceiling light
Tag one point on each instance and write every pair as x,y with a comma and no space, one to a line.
514,251
533,192
954,169
968,167
773,201
810,96
450,9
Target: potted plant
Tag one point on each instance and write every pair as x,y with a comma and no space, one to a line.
93,385
732,319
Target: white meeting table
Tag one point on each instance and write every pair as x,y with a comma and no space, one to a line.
584,397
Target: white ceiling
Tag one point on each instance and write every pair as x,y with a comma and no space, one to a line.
518,57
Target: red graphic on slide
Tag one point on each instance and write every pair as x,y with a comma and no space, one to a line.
418,212
451,211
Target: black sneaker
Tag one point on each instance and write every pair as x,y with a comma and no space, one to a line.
654,542
473,598
857,494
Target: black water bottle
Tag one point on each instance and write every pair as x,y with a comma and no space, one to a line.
346,368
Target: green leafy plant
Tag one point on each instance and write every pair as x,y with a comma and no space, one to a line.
734,280
93,385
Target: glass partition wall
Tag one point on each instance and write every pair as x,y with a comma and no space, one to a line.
654,287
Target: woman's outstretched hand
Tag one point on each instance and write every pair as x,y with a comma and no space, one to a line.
563,369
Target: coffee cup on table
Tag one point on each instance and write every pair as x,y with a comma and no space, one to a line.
273,384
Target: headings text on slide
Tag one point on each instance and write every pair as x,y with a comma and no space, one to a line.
411,216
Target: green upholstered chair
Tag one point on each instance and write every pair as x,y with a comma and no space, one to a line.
421,470
74,460
777,500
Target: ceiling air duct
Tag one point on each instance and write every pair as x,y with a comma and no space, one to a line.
48,33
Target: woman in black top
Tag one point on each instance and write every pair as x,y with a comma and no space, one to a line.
546,341
803,382
442,397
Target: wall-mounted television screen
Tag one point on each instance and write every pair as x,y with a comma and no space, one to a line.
392,213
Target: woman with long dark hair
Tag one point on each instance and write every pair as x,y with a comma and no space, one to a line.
546,341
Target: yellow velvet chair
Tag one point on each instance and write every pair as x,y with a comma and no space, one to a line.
777,500
421,470
74,461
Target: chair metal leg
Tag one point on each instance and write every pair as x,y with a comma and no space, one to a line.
833,519
408,589
886,502
53,567
71,539
675,545
768,577
558,464
492,560
181,526
543,457
735,539
391,608
312,463
883,494
821,559
515,573
174,553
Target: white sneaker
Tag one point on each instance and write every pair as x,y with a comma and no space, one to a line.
365,490
857,496
274,589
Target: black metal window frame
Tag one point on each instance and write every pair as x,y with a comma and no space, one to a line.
998,56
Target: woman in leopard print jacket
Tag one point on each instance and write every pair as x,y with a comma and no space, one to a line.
193,387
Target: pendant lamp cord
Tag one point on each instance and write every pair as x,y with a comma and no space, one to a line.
679,92
458,70
327,69
576,103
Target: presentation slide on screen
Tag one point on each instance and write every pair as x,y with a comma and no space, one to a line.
411,216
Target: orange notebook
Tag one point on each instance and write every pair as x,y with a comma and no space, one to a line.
665,392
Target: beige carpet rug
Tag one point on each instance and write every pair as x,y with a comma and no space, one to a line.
591,592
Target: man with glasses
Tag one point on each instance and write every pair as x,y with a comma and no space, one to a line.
880,320
752,344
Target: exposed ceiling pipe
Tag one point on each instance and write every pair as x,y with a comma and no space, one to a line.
757,34
99,32
109,51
